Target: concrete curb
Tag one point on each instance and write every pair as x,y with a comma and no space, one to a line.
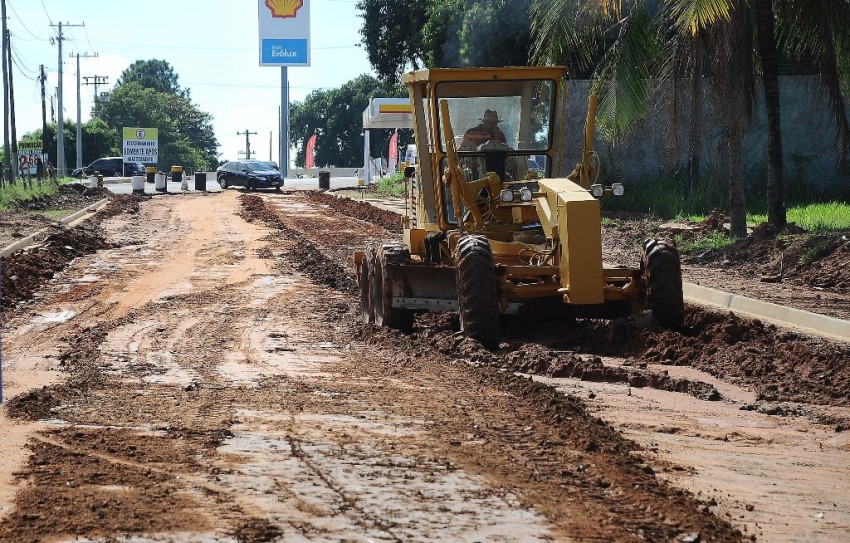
32,238
770,312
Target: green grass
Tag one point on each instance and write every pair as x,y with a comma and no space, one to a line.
667,198
392,185
819,217
12,196
711,241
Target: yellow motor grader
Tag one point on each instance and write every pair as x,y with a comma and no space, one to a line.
490,228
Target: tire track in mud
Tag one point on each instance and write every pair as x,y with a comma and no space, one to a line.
306,257
575,462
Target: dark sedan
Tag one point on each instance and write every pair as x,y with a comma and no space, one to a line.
113,166
251,174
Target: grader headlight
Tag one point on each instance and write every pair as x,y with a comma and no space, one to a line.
506,196
617,189
597,191
525,194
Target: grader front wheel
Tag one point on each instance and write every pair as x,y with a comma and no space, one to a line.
662,271
477,290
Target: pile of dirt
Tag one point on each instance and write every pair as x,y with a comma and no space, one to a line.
388,220
779,365
124,203
25,271
812,259
71,196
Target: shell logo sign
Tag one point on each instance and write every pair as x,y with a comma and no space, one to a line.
284,31
284,8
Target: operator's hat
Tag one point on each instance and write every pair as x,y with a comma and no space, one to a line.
491,115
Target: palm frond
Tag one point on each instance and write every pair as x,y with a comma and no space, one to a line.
694,15
623,78
566,32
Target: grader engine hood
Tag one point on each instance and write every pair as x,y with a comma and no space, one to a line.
571,217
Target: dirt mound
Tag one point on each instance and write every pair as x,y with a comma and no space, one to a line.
387,219
729,347
813,259
25,271
123,203
779,365
300,252
69,196
33,405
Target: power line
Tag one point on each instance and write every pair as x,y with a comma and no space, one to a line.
17,62
45,12
22,62
201,48
87,37
22,22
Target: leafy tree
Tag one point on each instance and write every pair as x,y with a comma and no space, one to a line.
153,74
392,46
336,117
99,140
444,33
186,136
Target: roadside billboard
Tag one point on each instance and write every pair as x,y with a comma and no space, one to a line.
284,32
28,154
141,145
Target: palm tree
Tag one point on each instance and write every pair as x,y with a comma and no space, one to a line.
641,38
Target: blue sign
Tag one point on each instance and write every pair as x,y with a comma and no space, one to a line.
285,52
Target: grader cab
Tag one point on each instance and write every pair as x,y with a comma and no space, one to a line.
490,228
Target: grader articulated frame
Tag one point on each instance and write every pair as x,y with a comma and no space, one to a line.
490,229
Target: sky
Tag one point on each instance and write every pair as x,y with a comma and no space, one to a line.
213,46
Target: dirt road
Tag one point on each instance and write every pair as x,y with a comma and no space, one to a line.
207,379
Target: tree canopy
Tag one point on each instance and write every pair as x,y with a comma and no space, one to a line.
403,34
148,95
336,117
153,74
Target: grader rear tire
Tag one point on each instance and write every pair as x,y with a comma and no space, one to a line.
662,270
382,289
477,290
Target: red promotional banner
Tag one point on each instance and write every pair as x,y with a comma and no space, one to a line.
393,151
310,153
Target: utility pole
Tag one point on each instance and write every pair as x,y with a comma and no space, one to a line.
60,129
42,77
247,143
96,80
15,163
79,111
7,168
284,121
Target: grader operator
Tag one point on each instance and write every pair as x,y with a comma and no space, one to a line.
490,228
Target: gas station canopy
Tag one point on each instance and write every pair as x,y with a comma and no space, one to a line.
383,113
388,113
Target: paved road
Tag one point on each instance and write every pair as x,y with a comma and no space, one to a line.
124,186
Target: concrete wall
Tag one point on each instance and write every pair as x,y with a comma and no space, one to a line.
809,139
314,172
